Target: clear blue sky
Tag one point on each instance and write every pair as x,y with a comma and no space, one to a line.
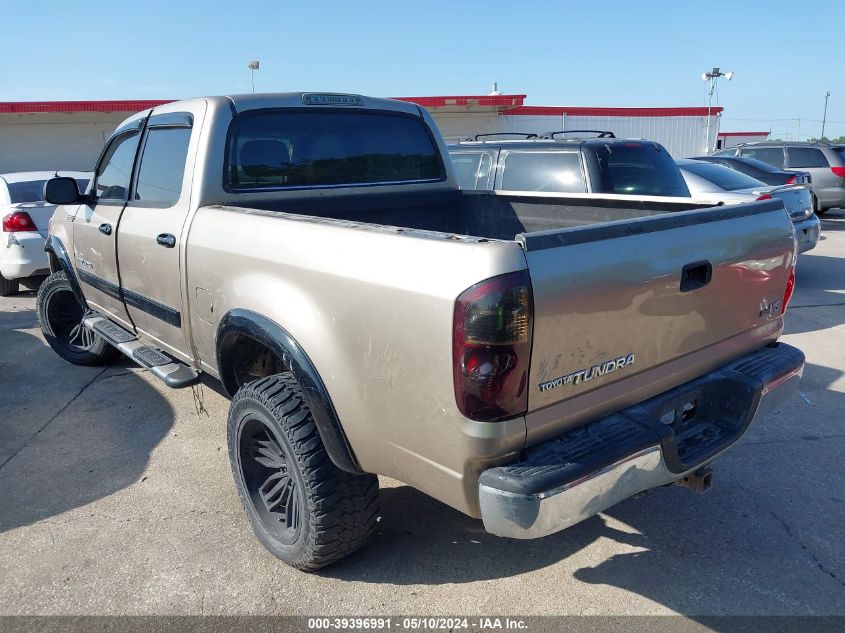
599,53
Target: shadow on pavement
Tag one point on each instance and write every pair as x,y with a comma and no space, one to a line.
68,435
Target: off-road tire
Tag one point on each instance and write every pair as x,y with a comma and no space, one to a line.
58,310
337,511
8,287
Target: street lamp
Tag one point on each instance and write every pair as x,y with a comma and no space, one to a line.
712,76
253,66
824,116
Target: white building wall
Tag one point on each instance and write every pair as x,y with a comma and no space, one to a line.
44,141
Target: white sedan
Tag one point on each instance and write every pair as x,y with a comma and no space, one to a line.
25,216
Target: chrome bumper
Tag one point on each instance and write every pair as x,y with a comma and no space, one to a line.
807,233
552,489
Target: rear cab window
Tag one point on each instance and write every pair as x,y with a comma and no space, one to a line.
289,148
637,168
770,155
806,157
546,171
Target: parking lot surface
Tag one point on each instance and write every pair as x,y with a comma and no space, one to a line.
116,498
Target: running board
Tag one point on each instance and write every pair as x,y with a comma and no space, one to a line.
174,373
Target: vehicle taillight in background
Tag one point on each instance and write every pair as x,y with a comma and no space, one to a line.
790,288
18,221
491,347
765,196
839,171
790,181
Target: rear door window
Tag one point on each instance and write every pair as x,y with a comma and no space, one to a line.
551,172
770,155
806,157
284,148
638,168
162,166
472,169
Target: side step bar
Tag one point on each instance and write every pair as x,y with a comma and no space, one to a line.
174,373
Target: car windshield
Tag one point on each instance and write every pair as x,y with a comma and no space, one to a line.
33,190
724,177
759,164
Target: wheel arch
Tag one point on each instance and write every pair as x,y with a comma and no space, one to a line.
59,257
241,323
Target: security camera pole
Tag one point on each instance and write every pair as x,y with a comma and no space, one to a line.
253,66
712,76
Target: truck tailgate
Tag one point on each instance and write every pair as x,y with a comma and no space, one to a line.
617,299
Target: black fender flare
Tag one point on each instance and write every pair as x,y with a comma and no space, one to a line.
290,352
55,247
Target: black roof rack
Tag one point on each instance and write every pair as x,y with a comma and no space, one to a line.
524,134
601,133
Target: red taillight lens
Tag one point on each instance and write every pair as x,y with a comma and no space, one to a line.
491,348
839,171
765,196
790,180
18,221
790,288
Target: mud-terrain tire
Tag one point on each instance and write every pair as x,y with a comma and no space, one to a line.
304,509
60,317
8,287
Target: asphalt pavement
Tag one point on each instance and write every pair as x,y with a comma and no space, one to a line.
116,498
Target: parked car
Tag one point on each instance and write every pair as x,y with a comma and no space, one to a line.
759,170
602,165
25,216
528,360
824,162
716,183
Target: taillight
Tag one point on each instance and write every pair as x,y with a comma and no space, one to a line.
790,288
18,221
765,196
839,171
491,348
790,181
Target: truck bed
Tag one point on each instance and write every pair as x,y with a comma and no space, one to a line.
477,213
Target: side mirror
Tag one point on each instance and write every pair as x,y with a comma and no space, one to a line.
62,190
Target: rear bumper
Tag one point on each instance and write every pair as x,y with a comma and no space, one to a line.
22,255
565,480
807,233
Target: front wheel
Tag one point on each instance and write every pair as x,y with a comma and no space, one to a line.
60,317
303,508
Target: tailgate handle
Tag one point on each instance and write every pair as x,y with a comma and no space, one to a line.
696,275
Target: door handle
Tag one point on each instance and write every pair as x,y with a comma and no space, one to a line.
167,240
105,229
696,275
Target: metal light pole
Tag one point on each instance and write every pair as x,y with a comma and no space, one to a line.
824,116
712,76
253,66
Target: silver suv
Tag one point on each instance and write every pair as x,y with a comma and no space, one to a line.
824,162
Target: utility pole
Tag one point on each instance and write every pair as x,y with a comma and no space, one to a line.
798,133
253,66
712,76
824,116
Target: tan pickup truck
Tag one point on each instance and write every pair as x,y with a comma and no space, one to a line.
527,360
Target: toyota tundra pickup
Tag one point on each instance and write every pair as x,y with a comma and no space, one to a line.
528,360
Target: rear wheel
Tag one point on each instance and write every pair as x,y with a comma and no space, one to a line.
303,508
8,286
60,317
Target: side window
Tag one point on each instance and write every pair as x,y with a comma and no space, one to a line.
472,169
771,155
115,170
162,166
806,157
558,172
